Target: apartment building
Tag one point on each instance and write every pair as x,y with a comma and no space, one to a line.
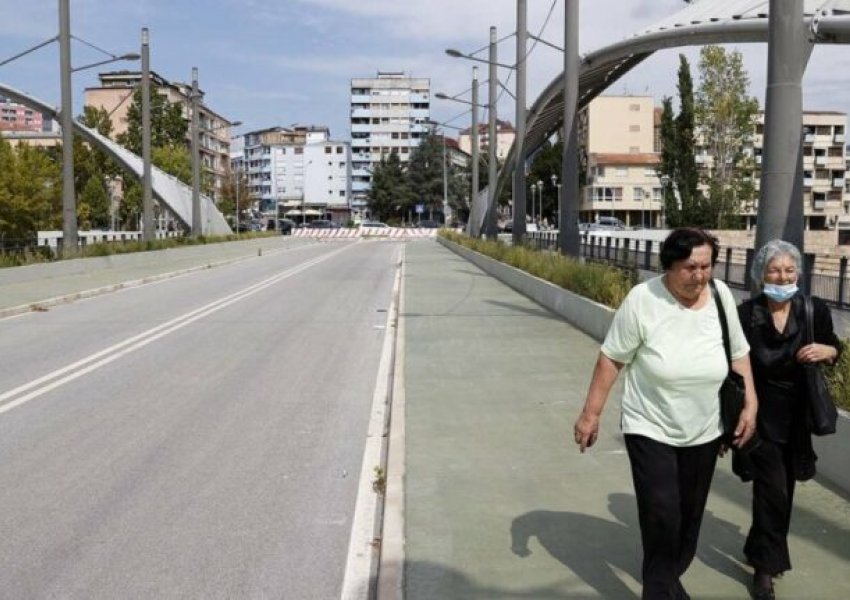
115,95
505,134
390,114
18,117
298,172
618,141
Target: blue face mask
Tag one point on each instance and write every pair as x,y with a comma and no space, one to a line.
780,293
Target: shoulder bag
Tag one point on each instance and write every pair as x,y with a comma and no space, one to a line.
822,412
732,391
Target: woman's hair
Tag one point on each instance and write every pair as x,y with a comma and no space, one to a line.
767,253
681,242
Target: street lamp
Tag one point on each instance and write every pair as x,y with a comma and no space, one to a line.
492,62
540,201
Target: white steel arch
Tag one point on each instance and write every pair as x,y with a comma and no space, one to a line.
700,23
169,190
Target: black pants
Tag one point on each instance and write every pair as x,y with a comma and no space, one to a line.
766,548
671,486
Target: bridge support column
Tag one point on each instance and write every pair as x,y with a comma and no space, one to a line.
780,209
69,198
568,236
147,188
519,199
492,144
473,227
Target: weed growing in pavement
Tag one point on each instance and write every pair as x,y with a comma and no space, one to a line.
379,484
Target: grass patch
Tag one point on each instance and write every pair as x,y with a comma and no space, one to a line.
599,282
838,378
45,254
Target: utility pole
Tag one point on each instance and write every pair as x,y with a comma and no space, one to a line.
147,190
473,227
69,199
519,200
568,236
780,209
196,159
490,217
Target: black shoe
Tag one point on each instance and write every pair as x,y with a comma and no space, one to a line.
763,586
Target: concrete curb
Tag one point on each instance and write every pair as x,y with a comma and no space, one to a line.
594,319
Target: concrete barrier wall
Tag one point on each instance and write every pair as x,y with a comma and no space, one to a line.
594,319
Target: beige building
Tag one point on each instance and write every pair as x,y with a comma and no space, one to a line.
115,95
617,136
505,134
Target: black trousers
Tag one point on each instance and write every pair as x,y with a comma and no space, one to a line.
671,486
766,548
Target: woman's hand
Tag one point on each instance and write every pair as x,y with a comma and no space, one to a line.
586,429
814,353
746,427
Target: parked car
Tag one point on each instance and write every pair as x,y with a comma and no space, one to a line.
286,226
608,223
322,224
373,225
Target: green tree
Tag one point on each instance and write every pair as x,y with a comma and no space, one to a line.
389,195
724,117
93,206
547,161
30,194
168,127
686,174
425,173
668,168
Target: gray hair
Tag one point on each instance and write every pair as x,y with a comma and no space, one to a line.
767,253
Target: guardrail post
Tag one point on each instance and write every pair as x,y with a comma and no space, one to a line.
808,269
748,264
728,264
608,248
647,254
842,273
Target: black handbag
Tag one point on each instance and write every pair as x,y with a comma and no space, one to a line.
822,412
732,391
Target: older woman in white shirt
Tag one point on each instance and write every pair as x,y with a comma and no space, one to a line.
667,336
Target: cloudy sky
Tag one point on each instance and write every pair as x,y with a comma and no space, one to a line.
283,62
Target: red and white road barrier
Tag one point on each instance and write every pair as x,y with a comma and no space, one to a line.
395,233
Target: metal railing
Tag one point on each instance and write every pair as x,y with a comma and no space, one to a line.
824,276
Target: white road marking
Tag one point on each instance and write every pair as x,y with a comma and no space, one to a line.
362,563
38,387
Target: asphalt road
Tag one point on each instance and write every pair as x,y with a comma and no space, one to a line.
200,437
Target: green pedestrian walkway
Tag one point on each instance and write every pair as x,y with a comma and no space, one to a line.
498,502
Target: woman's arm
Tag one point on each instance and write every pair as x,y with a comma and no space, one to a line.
586,428
826,347
747,421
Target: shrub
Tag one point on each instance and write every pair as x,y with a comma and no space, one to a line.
838,378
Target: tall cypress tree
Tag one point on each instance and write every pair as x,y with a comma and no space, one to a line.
687,177
668,169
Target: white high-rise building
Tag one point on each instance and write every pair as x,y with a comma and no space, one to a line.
389,114
298,172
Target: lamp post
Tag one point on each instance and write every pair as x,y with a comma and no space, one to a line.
532,187
557,192
196,157
540,202
147,188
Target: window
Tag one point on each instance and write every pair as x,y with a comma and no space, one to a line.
622,171
607,194
634,149
342,193
634,128
327,149
634,107
639,194
339,149
299,150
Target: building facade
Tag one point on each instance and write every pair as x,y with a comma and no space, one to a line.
505,134
620,157
297,172
390,114
115,95
18,117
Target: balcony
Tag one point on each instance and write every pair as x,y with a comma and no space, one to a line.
838,138
820,160
839,182
808,182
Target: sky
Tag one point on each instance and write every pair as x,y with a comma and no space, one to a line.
273,63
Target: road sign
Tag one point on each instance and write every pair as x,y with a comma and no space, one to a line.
420,208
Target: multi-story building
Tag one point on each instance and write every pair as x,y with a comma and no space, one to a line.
115,95
390,114
18,117
505,134
297,172
618,146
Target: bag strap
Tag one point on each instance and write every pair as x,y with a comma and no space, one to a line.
724,326
810,328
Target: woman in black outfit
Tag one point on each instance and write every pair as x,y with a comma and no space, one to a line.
774,324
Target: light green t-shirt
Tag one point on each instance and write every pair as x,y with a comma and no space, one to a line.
675,363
